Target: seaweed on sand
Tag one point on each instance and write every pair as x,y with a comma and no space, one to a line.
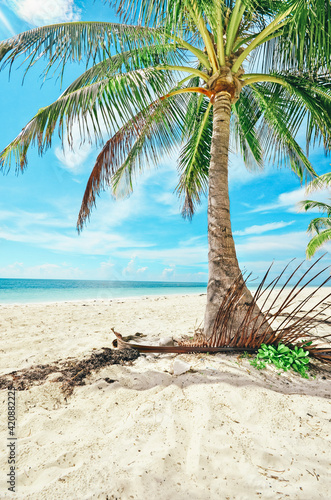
70,372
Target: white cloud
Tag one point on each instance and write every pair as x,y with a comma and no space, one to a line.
193,241
40,12
131,271
130,268
258,269
272,226
239,174
289,201
23,218
142,270
89,242
284,200
165,198
171,201
42,271
168,273
177,256
73,159
72,156
276,244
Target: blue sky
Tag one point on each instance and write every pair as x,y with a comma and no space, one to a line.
142,237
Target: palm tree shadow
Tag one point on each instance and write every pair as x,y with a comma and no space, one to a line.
243,375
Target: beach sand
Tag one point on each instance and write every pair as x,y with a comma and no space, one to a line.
222,430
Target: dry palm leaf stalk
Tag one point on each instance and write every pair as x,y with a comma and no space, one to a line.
287,320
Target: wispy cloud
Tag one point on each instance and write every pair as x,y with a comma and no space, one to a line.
46,270
289,201
272,226
40,12
73,155
259,268
132,270
5,22
142,270
239,174
22,219
88,243
292,243
73,159
185,257
168,273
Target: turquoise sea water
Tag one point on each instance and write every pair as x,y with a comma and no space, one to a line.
41,290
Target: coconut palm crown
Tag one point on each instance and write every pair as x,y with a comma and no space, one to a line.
187,73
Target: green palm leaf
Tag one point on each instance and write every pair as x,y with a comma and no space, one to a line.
77,41
310,204
194,159
246,114
318,224
278,127
306,39
310,97
171,13
316,242
132,60
319,182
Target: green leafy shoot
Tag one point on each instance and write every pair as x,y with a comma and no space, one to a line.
284,358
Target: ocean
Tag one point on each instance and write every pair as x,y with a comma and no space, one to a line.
13,291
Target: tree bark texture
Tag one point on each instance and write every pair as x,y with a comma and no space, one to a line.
223,263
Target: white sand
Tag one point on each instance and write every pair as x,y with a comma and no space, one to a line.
221,431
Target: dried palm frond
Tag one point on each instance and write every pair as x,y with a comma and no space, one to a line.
287,319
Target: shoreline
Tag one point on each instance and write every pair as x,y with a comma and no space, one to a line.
96,300
325,290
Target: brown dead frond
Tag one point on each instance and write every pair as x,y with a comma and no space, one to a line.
290,318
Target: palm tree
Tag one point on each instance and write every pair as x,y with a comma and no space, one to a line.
320,225
187,73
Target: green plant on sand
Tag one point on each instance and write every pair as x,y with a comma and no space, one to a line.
283,357
191,74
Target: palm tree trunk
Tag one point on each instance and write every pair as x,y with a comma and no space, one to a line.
223,263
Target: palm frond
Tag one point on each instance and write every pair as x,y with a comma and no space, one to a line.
76,41
302,42
306,40
245,117
308,100
312,94
172,14
317,241
288,318
320,182
139,144
194,159
185,19
310,204
128,61
280,122
319,223
108,102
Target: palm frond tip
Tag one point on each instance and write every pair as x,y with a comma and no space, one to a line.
291,318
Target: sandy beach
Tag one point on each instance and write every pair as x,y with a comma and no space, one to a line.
221,430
